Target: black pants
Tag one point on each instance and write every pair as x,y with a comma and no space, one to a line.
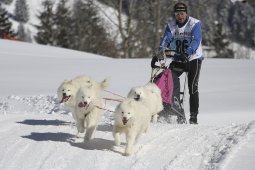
193,78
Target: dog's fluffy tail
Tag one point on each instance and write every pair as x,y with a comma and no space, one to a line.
105,83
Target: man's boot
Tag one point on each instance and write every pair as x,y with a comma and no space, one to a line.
193,118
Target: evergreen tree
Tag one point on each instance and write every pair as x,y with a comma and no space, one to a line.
63,21
7,2
88,34
21,32
5,24
23,35
242,21
221,43
21,11
45,34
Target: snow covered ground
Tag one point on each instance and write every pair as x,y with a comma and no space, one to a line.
38,133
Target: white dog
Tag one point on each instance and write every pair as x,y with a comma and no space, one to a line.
68,89
132,119
149,95
87,110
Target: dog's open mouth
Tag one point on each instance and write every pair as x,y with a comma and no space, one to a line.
137,98
83,105
124,120
65,99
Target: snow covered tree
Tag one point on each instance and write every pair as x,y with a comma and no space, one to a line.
221,43
7,1
242,21
63,21
87,32
140,24
21,11
5,24
45,34
22,34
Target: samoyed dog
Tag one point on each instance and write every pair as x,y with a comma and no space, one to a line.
87,110
149,95
68,89
132,119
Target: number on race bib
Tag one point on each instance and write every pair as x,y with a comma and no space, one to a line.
181,46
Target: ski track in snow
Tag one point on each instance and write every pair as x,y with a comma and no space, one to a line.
29,125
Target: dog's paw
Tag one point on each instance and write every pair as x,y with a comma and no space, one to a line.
88,138
79,135
127,154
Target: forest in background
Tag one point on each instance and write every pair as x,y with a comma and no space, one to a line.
139,25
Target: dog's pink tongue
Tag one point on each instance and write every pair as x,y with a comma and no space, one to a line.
64,99
124,121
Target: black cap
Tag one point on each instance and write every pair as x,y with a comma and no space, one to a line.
180,7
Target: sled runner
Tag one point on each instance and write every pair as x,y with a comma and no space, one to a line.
166,78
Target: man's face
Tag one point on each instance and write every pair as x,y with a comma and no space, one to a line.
180,16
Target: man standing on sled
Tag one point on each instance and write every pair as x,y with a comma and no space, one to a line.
184,35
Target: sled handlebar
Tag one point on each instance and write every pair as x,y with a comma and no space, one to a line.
161,55
170,53
164,53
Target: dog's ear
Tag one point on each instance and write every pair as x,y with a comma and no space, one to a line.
70,81
117,108
105,83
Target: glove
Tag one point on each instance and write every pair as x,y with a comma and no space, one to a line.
184,57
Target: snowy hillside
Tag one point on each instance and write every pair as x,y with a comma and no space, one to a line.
107,14
38,133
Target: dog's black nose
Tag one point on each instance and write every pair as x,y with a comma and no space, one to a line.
137,97
64,94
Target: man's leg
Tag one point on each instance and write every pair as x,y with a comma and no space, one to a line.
193,78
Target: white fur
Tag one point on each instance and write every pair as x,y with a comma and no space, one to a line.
132,119
88,99
150,96
70,87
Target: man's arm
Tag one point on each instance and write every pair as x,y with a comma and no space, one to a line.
168,37
196,34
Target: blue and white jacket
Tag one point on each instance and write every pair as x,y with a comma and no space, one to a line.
184,39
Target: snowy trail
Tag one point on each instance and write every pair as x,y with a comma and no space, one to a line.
38,134
47,142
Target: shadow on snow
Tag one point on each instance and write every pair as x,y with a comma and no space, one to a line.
95,144
105,127
44,122
57,137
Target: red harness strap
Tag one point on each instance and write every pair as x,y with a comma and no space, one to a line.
117,100
104,109
115,94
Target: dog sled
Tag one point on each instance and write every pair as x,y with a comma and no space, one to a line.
166,77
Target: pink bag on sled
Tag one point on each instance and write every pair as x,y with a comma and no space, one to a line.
165,83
